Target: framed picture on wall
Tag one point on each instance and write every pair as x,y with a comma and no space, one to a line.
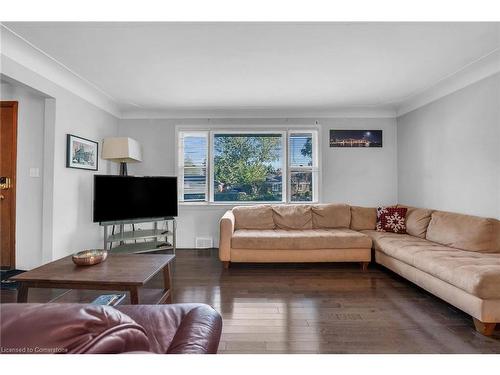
355,138
82,153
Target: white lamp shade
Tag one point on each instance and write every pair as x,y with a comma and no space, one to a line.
122,149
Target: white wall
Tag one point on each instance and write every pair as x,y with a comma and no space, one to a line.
67,193
449,152
73,188
360,176
29,190
356,176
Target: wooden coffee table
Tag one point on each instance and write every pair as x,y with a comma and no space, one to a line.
120,272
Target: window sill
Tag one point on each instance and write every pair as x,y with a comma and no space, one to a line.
233,204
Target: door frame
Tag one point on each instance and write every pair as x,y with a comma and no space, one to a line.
14,106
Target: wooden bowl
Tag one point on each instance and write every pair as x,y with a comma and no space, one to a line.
89,257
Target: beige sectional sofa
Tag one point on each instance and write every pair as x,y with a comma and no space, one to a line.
292,233
454,256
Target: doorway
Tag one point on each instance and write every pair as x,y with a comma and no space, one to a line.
8,157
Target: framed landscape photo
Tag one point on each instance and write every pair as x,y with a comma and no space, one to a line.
82,153
355,138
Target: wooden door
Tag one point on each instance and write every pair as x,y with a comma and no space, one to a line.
8,156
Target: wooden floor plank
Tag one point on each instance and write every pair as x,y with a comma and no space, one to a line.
313,308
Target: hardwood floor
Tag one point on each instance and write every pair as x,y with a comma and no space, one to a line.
313,308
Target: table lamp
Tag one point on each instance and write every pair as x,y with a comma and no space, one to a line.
122,150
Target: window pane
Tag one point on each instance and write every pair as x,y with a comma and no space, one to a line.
248,167
301,150
195,167
301,186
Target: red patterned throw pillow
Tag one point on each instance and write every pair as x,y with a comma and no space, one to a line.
391,219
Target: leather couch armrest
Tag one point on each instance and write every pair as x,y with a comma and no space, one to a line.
199,332
68,328
226,232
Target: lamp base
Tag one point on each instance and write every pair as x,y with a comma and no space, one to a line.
123,169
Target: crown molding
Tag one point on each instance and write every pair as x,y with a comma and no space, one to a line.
16,49
475,71
253,112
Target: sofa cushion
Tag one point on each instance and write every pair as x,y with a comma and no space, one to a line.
331,215
299,239
363,218
473,272
292,216
417,220
402,246
464,232
253,217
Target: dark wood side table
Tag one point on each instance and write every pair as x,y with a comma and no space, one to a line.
120,272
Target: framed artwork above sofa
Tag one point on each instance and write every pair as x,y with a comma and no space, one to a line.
356,138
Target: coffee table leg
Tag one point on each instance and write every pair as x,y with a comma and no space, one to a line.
167,282
134,296
22,293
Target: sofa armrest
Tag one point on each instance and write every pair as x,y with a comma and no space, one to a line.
226,232
178,327
199,332
69,328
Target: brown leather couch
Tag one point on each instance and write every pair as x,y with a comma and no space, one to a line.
90,329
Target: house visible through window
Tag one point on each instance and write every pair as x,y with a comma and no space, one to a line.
230,166
301,167
247,167
193,171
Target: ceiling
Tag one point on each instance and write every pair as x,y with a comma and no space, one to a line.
314,66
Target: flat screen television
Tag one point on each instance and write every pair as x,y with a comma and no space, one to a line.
127,197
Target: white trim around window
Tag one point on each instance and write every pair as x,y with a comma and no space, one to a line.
313,168
287,168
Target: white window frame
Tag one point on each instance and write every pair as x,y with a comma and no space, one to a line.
256,129
314,169
284,148
180,163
